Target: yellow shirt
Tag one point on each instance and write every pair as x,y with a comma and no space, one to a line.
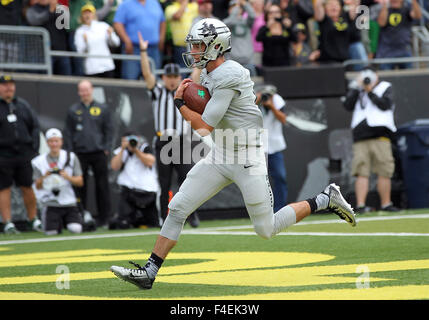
180,28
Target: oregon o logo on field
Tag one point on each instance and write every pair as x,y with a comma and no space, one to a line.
295,272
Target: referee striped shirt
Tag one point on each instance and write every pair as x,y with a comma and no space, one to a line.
168,120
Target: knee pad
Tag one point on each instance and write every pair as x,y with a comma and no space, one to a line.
74,227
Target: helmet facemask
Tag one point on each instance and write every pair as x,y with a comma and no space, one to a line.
195,48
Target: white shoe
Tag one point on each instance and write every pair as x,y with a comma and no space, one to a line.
338,205
37,225
138,277
10,228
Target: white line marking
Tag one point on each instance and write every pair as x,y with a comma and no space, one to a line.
218,231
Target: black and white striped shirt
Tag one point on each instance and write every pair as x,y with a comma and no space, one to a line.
168,119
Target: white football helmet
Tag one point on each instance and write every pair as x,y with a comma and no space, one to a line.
216,37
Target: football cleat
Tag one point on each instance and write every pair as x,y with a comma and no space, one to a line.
338,205
10,228
36,225
138,277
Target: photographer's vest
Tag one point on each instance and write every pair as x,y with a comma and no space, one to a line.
66,197
365,109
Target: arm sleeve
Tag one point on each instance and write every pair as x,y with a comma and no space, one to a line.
384,102
34,128
36,173
107,130
79,42
77,168
351,98
217,106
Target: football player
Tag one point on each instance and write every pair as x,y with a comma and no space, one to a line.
232,113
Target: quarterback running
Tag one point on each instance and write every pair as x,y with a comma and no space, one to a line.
232,115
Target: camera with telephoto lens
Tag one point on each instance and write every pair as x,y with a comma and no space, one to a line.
133,141
368,77
267,91
55,191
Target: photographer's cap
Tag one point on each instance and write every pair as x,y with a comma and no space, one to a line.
172,69
6,78
53,133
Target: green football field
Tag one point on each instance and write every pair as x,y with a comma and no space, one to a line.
386,256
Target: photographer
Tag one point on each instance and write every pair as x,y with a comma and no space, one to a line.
373,126
276,37
272,108
138,181
54,174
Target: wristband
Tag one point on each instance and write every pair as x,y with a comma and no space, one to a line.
143,50
178,103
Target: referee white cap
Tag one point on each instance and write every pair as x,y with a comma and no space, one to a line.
53,133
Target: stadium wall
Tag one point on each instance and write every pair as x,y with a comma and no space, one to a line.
317,134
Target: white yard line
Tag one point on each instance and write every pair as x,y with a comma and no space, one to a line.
228,230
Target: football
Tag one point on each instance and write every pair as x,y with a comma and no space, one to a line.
196,97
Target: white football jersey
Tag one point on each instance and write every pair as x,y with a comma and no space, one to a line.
242,118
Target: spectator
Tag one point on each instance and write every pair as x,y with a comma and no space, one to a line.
88,133
44,14
205,10
103,9
19,142
272,108
240,22
337,31
146,17
179,16
299,11
395,22
138,181
94,38
276,37
301,51
11,13
373,126
54,174
169,126
258,48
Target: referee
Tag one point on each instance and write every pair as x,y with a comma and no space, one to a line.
170,127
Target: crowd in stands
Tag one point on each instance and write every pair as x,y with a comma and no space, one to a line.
265,33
